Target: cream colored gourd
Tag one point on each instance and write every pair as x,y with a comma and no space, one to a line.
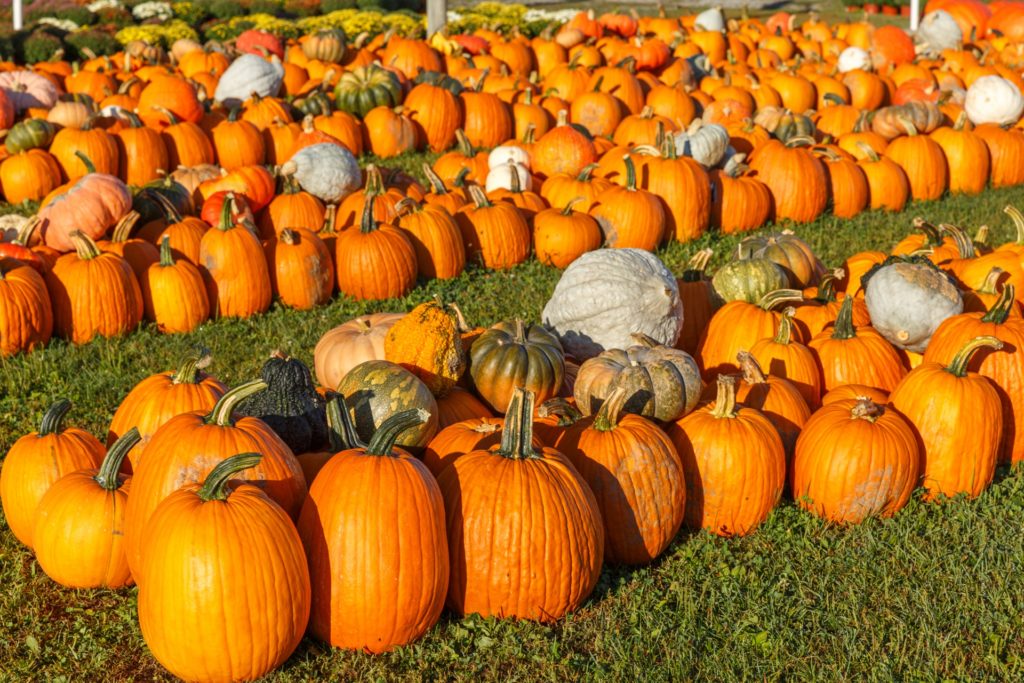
247,75
993,99
500,177
606,296
853,58
327,171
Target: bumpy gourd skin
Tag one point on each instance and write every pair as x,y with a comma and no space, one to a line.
291,405
427,343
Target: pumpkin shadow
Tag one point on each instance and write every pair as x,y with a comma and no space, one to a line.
360,402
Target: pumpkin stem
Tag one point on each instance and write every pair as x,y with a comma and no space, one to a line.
514,185
520,331
1018,221
1000,310
383,440
607,417
53,418
991,283
479,198
460,177
25,232
437,185
868,151
170,210
124,227
697,266
827,286
627,160
330,219
566,413
289,237
463,145
343,433
752,372
460,319
225,406
216,485
369,222
785,334
188,371
931,233
981,236
778,296
725,400
86,161
645,340
586,172
517,435
171,117
866,409
107,477
567,211
844,328
963,242
958,366
226,210
85,248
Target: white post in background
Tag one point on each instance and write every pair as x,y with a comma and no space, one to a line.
16,7
915,14
437,15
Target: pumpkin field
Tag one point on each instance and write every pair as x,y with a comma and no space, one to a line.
556,344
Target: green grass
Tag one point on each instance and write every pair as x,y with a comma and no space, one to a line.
933,594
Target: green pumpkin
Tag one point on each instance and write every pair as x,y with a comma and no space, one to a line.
794,126
789,252
152,199
377,389
367,87
748,280
440,80
29,134
316,103
513,354
326,45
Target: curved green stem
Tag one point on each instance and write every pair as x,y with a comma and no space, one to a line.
383,440
226,209
188,371
216,485
53,418
958,366
166,255
697,266
607,417
566,413
779,296
785,334
1000,310
107,477
225,406
343,433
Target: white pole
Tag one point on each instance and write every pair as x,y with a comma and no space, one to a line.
17,15
437,15
915,14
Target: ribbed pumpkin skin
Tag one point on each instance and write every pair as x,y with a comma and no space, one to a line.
958,421
1005,368
458,405
435,236
850,468
735,327
157,399
235,271
791,361
866,359
31,467
374,265
301,268
796,179
93,296
496,235
541,515
888,186
781,402
1006,149
175,297
378,561
220,604
684,187
967,158
735,469
436,113
79,532
637,478
26,316
924,163
487,120
455,440
185,449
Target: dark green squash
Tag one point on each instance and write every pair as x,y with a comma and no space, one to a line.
291,405
748,280
377,389
29,134
367,87
513,354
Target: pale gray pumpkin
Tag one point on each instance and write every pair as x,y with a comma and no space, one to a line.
705,143
938,31
326,171
660,382
907,302
247,75
606,296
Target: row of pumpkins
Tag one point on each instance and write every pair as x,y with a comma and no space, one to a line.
494,471
601,147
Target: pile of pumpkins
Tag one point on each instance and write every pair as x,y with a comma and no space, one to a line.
204,182
433,464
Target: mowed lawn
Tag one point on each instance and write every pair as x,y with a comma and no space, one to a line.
935,593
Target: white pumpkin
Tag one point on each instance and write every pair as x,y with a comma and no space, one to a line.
501,155
606,296
908,301
705,143
939,31
853,58
326,171
10,225
509,175
710,20
993,99
26,89
247,75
